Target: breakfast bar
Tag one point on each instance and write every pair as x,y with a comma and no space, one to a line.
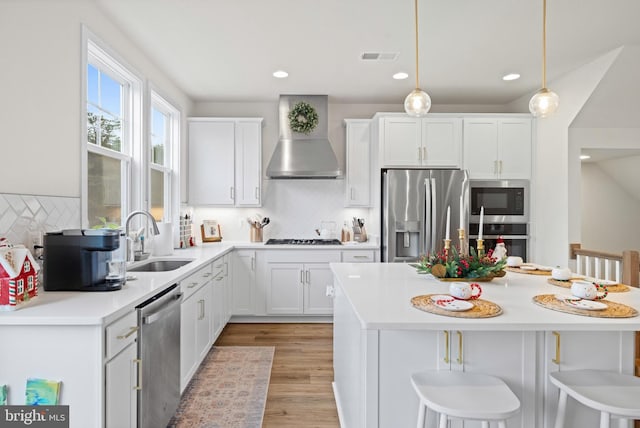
380,339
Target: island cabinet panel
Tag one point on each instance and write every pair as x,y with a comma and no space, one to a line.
508,355
574,350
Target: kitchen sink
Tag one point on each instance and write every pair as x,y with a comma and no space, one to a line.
160,265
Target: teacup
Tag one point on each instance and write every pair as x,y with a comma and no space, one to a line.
562,274
514,261
588,290
465,291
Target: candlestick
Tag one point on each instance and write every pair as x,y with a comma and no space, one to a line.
481,221
464,250
446,235
480,247
447,245
461,213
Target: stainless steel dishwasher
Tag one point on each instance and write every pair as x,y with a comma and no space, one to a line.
159,354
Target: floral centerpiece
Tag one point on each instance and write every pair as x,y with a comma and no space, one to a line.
452,264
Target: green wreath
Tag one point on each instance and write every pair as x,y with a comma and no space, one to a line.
303,118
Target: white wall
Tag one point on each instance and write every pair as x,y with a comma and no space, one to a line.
609,213
40,119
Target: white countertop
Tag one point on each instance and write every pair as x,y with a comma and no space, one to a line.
101,308
381,296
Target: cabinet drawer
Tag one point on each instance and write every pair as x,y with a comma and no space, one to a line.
219,267
121,333
358,256
192,283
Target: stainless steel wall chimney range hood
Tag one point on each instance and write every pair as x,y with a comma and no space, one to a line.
303,156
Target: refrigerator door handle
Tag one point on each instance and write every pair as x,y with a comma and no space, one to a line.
426,230
434,210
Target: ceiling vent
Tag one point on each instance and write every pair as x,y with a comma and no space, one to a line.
379,56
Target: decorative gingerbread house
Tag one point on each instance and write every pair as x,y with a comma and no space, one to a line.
18,277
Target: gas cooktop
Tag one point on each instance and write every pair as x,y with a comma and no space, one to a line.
292,241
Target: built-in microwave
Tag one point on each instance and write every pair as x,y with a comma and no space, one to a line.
504,201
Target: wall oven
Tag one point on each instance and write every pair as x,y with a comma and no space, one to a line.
506,214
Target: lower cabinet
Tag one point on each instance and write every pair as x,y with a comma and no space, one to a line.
195,327
244,279
121,373
296,282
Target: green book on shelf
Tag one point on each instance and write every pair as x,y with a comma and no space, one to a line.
3,395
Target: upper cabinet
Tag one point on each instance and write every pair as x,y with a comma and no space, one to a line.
225,161
358,163
498,148
421,142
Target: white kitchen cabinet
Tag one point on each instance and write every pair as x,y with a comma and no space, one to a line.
296,282
225,161
220,305
574,350
421,142
121,372
508,355
358,163
244,279
358,256
195,322
498,148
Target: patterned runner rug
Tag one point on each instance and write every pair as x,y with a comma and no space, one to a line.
229,390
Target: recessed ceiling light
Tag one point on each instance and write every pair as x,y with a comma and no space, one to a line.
280,74
511,76
585,157
400,76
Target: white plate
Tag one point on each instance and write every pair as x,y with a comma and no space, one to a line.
589,305
601,281
544,268
448,303
526,267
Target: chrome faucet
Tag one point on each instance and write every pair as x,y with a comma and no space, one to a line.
154,230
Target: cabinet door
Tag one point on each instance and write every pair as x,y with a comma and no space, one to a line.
582,350
317,277
188,357
204,335
514,148
402,145
285,288
211,162
358,183
228,268
481,148
244,266
248,150
442,142
121,397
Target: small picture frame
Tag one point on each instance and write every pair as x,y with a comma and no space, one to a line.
210,230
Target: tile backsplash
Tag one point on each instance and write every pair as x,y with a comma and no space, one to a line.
24,218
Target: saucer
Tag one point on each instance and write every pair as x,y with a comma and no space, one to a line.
578,303
448,303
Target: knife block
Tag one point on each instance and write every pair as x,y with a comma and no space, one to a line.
359,234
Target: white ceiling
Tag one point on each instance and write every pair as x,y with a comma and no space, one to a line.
221,50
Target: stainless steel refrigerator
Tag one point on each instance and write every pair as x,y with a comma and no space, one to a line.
414,211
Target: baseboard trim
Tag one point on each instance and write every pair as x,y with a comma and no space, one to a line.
247,319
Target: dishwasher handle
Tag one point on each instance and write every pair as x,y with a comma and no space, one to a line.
162,312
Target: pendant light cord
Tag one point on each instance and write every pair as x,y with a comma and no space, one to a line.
416,13
544,43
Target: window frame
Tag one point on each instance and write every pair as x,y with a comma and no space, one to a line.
97,53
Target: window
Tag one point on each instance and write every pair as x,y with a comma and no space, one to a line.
20,289
27,266
30,283
163,139
113,100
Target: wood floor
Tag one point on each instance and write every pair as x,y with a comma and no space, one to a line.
300,392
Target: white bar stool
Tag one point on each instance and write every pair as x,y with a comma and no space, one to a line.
471,396
613,394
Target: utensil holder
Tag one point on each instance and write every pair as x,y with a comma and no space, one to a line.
255,234
359,234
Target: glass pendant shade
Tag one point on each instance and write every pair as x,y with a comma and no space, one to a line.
543,103
417,103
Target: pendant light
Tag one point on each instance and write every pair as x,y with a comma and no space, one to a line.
544,102
418,102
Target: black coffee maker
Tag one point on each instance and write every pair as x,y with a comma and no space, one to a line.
79,260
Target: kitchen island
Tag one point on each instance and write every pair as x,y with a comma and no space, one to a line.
380,339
